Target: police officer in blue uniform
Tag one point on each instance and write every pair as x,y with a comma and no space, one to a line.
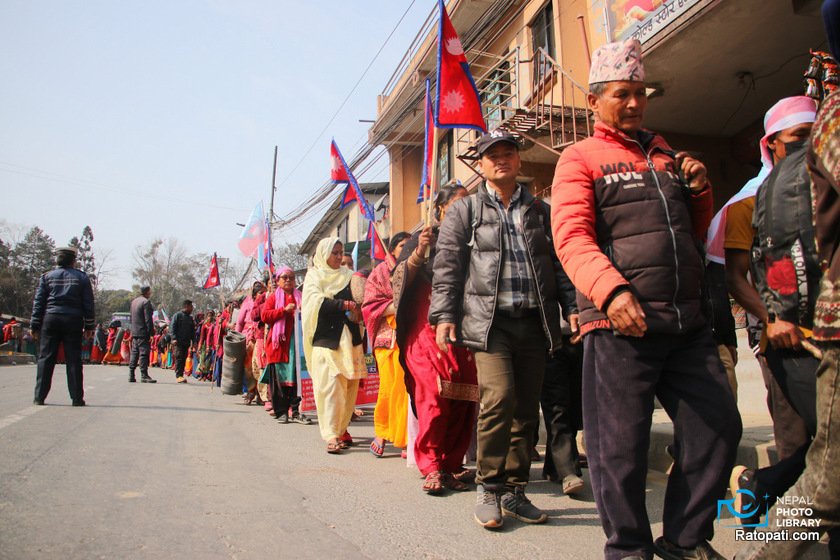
62,313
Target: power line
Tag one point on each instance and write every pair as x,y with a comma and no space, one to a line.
347,98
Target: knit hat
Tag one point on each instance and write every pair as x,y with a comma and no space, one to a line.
615,62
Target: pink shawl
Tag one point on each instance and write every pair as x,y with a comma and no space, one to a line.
378,294
278,330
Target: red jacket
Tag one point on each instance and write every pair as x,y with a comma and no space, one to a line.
276,354
622,218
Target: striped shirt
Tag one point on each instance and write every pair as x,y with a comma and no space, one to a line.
516,285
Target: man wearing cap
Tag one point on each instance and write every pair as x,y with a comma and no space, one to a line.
61,313
495,291
142,328
628,214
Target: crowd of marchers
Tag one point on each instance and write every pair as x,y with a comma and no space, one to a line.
588,308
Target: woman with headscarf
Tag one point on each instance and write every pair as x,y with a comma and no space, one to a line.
332,342
391,413
446,418
279,313
246,325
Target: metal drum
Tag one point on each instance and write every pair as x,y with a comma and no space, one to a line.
233,363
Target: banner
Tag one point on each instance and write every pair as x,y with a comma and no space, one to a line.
643,19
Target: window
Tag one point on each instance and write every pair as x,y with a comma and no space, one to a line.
496,95
542,30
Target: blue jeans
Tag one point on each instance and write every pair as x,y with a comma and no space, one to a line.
820,482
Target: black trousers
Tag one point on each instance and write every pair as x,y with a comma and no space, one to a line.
561,406
180,352
140,350
66,330
621,376
283,397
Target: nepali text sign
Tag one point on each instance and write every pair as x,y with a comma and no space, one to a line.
643,19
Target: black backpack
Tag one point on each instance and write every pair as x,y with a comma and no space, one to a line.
785,265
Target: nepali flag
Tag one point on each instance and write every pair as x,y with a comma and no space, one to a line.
428,148
264,253
341,174
458,104
213,279
254,233
377,248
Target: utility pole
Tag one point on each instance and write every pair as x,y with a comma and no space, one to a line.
273,189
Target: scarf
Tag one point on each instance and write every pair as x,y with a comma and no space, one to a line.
321,282
786,113
278,330
378,295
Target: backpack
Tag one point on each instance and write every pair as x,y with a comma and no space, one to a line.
784,261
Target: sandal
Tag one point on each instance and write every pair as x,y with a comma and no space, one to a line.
452,483
432,484
466,476
377,449
346,438
334,447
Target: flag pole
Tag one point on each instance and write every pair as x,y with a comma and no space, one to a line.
430,204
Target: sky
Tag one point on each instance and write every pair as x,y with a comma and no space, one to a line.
159,118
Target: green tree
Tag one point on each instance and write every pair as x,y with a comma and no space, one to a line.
85,259
23,265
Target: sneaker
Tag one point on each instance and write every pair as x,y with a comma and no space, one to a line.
180,380
702,551
488,514
283,419
147,379
301,419
572,484
517,505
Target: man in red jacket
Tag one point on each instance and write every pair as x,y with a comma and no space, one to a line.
628,214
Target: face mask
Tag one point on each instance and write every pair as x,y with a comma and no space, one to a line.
791,147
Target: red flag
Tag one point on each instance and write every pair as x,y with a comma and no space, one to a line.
213,279
458,104
338,173
377,248
353,192
428,148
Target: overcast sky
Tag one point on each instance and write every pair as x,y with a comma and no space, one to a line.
159,118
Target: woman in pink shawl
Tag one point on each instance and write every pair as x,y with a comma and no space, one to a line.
248,326
279,315
391,414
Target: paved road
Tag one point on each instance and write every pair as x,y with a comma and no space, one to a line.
182,471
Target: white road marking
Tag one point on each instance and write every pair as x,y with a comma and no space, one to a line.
17,417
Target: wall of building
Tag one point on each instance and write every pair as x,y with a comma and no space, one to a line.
406,171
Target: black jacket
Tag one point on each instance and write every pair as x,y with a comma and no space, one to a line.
141,318
332,320
63,291
182,328
468,266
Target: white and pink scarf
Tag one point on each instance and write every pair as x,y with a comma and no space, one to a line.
786,113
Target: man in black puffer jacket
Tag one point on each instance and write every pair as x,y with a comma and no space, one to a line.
61,312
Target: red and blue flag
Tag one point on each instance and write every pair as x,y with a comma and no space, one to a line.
341,174
458,104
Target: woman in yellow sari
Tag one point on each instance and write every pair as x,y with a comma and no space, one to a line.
332,342
391,414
